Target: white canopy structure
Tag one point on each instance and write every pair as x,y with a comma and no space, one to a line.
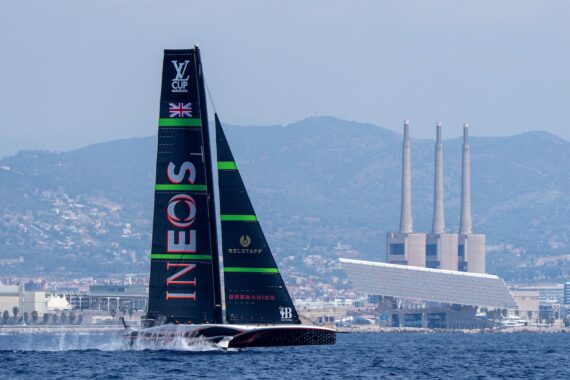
425,284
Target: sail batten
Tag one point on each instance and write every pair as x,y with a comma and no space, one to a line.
254,289
180,257
182,122
238,218
251,270
227,165
171,187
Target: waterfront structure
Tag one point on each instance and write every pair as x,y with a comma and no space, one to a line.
551,300
552,292
110,297
12,296
33,301
441,247
447,298
529,305
437,285
58,303
550,311
9,298
567,293
406,247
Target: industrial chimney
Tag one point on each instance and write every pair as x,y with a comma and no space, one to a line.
405,247
471,250
441,247
465,226
438,226
406,212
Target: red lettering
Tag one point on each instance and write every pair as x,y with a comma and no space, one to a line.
175,280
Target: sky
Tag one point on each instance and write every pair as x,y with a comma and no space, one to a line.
73,73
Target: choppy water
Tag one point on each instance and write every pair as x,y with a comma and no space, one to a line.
355,356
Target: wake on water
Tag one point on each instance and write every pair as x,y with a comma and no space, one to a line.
103,342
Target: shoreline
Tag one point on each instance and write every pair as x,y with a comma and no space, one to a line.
107,329
407,330
5,330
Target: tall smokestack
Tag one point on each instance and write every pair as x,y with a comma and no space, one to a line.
406,215
465,226
438,226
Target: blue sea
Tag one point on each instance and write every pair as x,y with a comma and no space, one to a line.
355,356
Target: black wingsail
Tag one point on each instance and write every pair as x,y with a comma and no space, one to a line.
184,279
254,289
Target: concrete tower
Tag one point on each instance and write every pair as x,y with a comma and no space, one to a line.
406,211
465,226
441,248
438,225
471,250
404,246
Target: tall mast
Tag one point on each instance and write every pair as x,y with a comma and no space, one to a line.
406,212
465,226
438,226
218,316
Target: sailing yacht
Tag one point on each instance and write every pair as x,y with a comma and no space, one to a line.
185,291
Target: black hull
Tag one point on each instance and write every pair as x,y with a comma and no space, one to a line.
268,337
236,336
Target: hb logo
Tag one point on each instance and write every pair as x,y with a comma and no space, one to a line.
286,313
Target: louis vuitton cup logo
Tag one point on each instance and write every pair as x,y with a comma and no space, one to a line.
179,82
286,313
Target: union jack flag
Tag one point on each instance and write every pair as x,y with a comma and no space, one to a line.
180,109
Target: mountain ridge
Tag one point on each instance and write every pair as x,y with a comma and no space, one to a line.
314,183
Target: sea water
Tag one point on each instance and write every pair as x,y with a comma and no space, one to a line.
355,356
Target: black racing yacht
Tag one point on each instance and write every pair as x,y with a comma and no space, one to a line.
185,292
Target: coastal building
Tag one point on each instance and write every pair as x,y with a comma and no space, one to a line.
26,301
549,311
57,303
551,301
33,301
9,298
528,303
110,297
567,293
547,293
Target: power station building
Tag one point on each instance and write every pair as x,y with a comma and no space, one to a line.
439,249
424,283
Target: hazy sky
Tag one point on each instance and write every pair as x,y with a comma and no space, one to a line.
78,72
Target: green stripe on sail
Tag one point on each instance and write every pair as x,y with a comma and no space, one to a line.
250,270
227,165
238,218
171,256
169,187
179,122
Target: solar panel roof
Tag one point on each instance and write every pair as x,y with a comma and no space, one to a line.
426,284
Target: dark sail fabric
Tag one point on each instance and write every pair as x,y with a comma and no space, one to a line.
254,289
182,285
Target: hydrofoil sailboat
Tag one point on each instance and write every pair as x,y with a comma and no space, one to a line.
185,291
